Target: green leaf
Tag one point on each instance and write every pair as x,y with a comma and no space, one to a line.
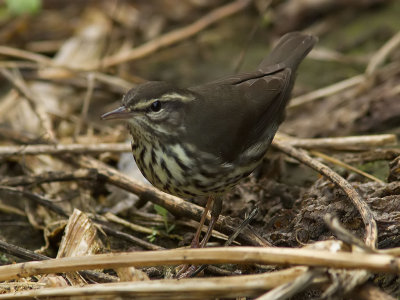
152,237
20,7
160,210
170,228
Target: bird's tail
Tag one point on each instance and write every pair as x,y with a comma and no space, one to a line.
283,60
290,50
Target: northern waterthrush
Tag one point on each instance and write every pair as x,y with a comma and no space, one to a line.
202,140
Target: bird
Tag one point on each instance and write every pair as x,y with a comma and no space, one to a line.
202,140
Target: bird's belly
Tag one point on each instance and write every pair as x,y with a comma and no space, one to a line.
175,170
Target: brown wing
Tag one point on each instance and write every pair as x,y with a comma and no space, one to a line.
237,115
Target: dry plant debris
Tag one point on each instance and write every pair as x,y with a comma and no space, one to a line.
74,211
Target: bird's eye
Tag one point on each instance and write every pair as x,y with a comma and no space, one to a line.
155,106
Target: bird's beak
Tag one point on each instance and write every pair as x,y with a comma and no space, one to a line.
119,113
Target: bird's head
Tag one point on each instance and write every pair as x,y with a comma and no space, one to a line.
155,108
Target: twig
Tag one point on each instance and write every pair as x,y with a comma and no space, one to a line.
326,91
11,210
216,255
241,226
113,80
18,64
290,289
365,211
63,149
79,174
139,228
380,56
347,166
372,155
20,252
130,238
40,59
176,35
340,143
142,229
149,219
329,55
197,288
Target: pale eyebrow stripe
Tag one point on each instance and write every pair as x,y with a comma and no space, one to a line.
184,98
163,98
